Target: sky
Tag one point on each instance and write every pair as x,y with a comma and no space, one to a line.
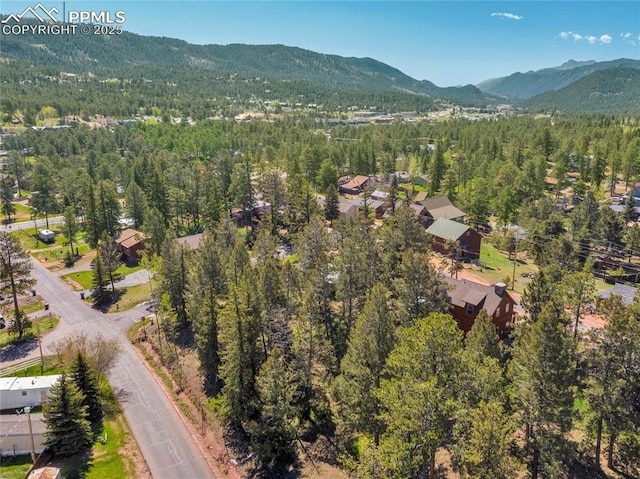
447,42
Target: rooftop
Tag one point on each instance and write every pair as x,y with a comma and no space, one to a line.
447,229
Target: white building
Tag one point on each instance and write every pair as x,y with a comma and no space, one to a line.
16,393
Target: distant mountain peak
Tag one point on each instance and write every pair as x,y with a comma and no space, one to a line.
568,65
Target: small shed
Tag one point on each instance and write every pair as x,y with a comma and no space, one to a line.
46,235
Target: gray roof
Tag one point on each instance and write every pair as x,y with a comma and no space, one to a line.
463,292
345,205
192,241
628,293
447,229
441,207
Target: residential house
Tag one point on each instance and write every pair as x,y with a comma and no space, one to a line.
16,433
468,298
420,197
129,243
18,392
355,186
380,195
468,239
347,209
192,241
377,206
441,207
626,293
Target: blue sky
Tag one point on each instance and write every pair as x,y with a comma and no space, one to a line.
446,42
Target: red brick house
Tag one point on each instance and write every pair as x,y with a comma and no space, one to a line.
468,298
129,243
468,239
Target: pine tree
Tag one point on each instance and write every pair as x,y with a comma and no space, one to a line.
6,198
370,342
99,281
110,258
71,226
93,225
274,434
418,399
206,284
614,382
15,271
84,377
331,204
486,446
542,372
68,430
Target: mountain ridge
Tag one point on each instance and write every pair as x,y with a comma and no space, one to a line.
274,61
522,86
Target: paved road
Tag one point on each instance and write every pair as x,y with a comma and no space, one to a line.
164,440
23,225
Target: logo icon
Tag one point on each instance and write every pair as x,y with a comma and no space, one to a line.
38,12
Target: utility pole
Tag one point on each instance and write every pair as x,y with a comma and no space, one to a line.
515,261
40,346
27,409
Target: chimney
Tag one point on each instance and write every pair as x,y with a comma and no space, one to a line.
500,289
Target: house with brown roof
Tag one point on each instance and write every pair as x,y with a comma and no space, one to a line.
468,298
441,207
129,243
355,186
444,230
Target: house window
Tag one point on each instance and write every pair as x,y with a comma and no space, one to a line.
470,309
509,306
24,393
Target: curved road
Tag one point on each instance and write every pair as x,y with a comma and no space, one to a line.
164,440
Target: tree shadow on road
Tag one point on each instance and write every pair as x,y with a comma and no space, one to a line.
19,350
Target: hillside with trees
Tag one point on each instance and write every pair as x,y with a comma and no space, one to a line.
615,90
273,62
526,85
309,330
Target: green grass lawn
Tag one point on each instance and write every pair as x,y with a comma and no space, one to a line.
131,297
45,324
105,462
496,266
15,467
51,367
32,307
83,278
124,270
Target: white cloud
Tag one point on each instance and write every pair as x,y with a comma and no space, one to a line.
603,39
510,16
630,38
